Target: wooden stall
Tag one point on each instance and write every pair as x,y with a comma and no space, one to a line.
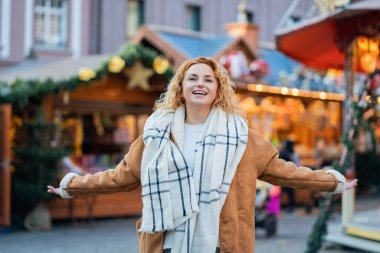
5,157
99,122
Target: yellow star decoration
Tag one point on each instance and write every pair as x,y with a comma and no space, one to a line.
138,76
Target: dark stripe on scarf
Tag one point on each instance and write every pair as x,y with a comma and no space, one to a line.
153,193
208,202
162,182
180,183
175,180
236,132
165,191
159,196
228,146
208,192
188,175
157,129
188,236
213,200
158,181
221,143
180,179
151,203
154,137
219,135
201,174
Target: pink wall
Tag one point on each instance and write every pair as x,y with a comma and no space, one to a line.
103,24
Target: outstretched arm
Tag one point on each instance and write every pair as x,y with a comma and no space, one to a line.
282,173
272,169
125,177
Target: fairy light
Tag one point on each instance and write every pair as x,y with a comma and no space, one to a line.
295,92
284,91
259,87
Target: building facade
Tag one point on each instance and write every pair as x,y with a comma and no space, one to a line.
74,28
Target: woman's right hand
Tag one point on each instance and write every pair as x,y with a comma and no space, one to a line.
54,190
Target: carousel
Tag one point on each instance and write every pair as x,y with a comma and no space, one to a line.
345,36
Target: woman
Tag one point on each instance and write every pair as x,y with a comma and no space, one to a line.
197,163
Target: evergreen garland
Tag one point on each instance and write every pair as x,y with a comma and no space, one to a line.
327,207
19,92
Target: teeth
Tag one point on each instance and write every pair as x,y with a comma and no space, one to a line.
200,93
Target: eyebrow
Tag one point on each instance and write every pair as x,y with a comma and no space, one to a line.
197,75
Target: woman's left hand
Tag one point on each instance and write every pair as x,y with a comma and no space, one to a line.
351,184
53,190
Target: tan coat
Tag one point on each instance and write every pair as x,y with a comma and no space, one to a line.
237,219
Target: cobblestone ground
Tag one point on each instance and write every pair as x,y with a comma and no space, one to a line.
118,235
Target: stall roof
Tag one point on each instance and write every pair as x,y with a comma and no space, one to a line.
55,70
180,45
278,62
197,46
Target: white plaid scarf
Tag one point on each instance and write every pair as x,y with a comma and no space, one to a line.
174,198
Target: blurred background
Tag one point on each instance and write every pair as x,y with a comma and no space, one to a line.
78,79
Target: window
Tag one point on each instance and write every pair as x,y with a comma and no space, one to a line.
250,17
135,16
193,18
50,23
293,19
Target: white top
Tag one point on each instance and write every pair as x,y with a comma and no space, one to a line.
192,133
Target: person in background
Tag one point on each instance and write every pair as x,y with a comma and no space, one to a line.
197,163
287,153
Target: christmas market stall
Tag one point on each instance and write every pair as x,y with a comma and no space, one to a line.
83,123
346,36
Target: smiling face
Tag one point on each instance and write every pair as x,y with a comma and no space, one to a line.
219,91
199,87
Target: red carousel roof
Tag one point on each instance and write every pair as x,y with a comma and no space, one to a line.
321,42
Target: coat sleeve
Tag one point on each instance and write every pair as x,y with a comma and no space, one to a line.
276,171
124,177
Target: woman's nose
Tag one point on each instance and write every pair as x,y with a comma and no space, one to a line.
200,84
